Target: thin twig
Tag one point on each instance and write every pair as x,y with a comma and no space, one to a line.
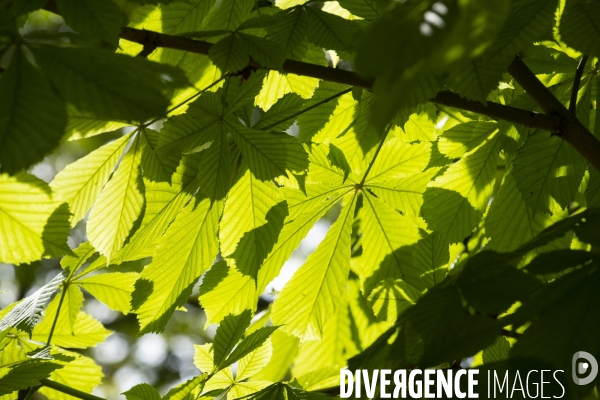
307,109
69,390
577,83
60,303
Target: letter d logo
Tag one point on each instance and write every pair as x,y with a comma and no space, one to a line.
583,367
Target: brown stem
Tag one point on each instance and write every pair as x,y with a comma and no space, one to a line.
577,83
570,128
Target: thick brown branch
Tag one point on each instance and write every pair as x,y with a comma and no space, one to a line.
499,111
577,83
570,128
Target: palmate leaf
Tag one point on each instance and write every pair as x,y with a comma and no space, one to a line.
276,85
26,314
118,205
216,167
254,361
80,183
33,223
283,110
230,14
101,77
252,219
391,297
187,249
97,18
23,92
307,300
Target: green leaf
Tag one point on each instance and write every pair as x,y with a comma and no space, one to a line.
113,289
464,138
302,217
24,92
328,30
173,18
186,250
430,260
34,225
142,391
368,9
17,371
229,53
82,374
80,183
391,297
455,201
82,125
74,329
284,391
387,237
248,345
547,168
98,18
268,155
528,22
230,14
225,290
252,219
283,110
314,292
496,352
579,24
188,390
448,330
184,133
229,332
404,194
510,222
101,77
119,204
289,31
163,203
254,361
215,168
399,160
26,314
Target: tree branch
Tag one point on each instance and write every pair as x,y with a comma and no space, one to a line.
69,390
558,120
577,83
570,128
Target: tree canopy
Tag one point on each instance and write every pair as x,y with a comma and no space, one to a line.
454,145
